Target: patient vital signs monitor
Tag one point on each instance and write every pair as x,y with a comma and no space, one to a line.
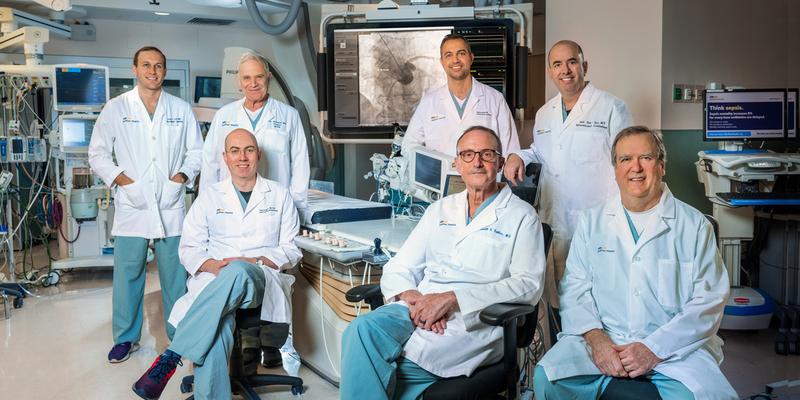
76,132
80,87
748,114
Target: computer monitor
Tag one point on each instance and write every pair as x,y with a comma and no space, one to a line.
745,114
80,87
76,132
207,86
429,169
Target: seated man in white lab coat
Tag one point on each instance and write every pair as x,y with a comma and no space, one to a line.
470,250
236,238
643,292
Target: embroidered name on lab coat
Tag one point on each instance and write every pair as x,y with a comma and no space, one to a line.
222,211
277,124
230,124
129,120
437,117
541,131
174,120
496,232
445,223
483,113
600,124
602,249
268,210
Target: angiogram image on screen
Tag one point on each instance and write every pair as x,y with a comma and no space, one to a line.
395,69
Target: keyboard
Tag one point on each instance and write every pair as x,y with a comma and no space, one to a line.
761,199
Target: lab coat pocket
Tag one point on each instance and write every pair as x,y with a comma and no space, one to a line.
479,260
276,142
589,145
132,196
673,277
172,195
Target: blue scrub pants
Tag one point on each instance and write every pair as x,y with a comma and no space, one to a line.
205,335
130,261
592,386
372,366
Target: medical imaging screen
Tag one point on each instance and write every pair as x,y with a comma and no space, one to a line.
80,86
381,74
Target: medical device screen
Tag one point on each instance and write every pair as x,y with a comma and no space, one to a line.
80,88
428,172
745,115
377,72
76,134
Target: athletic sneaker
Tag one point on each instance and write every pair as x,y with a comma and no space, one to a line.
121,352
152,383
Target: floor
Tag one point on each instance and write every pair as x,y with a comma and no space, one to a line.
55,348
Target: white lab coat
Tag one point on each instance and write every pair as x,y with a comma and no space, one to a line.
125,139
436,125
667,291
576,164
216,227
497,258
280,135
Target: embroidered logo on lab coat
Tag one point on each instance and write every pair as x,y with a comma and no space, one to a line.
268,210
542,131
444,222
129,120
483,114
437,117
222,211
602,249
229,124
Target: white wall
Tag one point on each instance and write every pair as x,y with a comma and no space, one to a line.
746,43
201,45
621,40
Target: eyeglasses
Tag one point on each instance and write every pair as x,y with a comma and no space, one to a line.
487,155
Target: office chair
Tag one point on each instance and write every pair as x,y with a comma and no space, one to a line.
240,383
519,325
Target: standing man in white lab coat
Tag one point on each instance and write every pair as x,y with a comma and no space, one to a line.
237,237
572,137
644,290
146,145
445,112
470,250
282,142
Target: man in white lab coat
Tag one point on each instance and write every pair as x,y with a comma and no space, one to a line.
146,145
644,290
237,237
284,159
445,112
470,250
572,137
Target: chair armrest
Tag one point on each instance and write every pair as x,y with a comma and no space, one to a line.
364,293
498,314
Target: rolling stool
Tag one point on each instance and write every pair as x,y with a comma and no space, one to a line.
241,384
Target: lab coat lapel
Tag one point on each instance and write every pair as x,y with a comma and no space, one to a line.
446,102
486,218
582,106
476,97
259,195
621,231
231,199
665,214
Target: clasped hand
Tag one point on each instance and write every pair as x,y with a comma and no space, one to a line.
623,361
430,311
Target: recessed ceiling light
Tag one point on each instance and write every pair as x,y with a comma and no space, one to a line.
161,13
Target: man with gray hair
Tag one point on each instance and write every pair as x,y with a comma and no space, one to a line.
282,142
643,292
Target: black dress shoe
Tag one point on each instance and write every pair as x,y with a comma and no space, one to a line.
272,357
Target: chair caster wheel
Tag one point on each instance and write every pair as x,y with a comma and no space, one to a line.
296,390
186,388
18,302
